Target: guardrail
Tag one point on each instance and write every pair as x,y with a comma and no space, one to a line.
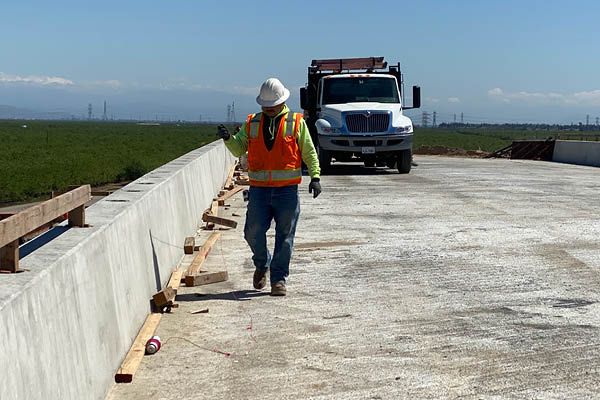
24,222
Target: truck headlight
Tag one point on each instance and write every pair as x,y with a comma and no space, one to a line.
324,127
404,129
330,130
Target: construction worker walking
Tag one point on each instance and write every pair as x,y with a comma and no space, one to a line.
277,141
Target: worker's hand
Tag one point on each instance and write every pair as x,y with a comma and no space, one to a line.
222,132
314,186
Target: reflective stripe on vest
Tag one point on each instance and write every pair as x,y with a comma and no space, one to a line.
262,176
253,124
282,175
286,174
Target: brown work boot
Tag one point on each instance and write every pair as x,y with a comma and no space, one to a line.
260,278
278,289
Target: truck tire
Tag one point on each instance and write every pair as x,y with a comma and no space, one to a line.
324,160
404,161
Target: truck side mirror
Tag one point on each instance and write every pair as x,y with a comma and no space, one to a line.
416,97
304,98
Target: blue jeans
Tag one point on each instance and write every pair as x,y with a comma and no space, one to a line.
264,205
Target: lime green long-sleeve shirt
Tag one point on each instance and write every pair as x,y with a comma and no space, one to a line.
238,145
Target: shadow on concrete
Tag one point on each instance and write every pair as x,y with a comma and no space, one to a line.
41,240
155,262
238,295
356,169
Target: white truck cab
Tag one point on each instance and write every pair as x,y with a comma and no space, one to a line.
358,116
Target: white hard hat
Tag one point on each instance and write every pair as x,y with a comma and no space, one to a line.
272,93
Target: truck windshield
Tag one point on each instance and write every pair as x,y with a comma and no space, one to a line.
353,90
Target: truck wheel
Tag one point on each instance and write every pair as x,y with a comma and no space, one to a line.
324,160
404,160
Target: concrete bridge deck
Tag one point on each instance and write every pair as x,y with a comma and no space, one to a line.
467,278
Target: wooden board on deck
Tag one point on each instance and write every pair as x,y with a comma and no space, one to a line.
136,353
206,278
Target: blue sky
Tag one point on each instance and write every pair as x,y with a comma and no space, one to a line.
491,60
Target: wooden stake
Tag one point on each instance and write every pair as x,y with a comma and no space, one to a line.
9,257
162,298
77,217
188,245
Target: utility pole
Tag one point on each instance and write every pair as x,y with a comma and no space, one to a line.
455,118
434,124
425,119
228,113
104,117
233,111
462,121
89,111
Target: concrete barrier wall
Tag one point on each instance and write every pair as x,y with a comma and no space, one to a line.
67,323
577,152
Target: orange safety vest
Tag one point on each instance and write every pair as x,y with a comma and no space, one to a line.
282,166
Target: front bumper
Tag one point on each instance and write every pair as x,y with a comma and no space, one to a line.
355,143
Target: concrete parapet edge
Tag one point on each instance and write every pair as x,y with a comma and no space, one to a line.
577,152
67,323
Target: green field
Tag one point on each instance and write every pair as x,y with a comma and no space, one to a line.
51,155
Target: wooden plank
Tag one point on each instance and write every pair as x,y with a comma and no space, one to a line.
201,256
221,221
229,177
23,222
9,257
214,210
136,353
188,245
206,278
229,193
175,280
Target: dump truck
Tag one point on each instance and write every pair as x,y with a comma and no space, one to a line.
353,109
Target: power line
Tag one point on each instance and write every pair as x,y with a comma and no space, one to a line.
425,119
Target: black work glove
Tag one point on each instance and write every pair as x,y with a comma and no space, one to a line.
315,186
222,132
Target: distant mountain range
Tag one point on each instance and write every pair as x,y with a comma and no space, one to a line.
10,112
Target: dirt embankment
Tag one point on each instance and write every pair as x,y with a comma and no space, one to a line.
448,151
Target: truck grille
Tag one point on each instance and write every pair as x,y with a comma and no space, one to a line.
372,123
